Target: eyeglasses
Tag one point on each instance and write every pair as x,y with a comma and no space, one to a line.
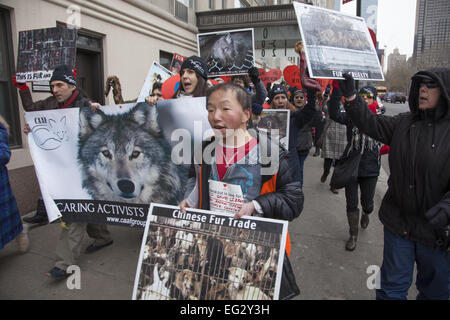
429,84
366,95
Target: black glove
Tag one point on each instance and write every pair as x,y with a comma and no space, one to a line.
439,215
253,73
257,108
347,85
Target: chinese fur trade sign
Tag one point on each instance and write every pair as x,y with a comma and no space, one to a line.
204,255
107,166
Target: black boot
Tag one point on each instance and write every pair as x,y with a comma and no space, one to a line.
317,153
364,220
41,215
324,176
353,222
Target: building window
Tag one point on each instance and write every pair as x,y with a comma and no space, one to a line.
181,9
8,93
165,59
211,4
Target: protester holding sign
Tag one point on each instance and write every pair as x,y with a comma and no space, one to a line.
194,76
235,178
65,94
415,211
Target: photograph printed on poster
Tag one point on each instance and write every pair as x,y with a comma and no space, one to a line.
274,123
41,50
205,255
157,73
335,43
227,52
117,159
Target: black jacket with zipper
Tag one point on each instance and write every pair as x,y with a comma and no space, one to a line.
419,159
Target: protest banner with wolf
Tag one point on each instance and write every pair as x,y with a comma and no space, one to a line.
108,166
205,255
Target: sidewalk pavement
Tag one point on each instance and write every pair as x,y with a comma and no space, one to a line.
324,270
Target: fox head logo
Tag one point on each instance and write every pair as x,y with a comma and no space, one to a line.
48,133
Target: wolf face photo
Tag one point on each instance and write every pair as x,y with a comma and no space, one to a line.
125,158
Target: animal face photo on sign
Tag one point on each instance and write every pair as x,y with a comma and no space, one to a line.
227,53
273,123
130,157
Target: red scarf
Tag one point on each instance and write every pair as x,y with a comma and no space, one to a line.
69,102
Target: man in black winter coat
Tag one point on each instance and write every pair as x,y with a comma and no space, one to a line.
415,211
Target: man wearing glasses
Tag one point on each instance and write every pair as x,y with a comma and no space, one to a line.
415,211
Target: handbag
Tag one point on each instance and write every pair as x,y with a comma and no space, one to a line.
346,170
288,287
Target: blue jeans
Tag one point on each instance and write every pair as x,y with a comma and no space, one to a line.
399,256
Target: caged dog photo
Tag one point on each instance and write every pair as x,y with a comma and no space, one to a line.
125,158
185,260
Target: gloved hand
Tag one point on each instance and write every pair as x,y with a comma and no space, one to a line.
347,85
257,108
253,74
439,215
22,86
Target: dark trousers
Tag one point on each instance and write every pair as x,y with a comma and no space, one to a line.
301,160
367,186
327,163
397,270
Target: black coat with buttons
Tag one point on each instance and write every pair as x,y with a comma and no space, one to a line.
419,159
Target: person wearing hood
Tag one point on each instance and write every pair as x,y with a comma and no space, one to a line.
415,210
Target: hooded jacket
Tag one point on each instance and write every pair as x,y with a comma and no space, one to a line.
418,160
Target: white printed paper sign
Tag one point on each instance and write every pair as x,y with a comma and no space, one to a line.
205,255
225,197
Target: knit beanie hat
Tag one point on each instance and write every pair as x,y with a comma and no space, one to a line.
277,89
369,90
63,73
197,64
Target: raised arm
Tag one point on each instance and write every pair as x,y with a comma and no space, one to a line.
379,127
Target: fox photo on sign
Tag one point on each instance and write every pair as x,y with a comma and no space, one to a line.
156,74
41,50
107,166
227,52
206,255
274,123
335,43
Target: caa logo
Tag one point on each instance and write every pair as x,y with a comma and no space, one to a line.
48,133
